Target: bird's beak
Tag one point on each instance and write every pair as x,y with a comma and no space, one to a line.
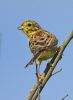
20,27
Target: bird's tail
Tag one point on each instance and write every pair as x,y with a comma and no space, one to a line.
33,58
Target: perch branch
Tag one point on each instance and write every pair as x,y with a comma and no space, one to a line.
33,94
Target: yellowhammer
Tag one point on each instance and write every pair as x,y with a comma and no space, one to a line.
39,39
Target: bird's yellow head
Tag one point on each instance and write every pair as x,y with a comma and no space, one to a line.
29,27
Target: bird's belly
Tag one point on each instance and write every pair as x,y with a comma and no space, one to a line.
46,55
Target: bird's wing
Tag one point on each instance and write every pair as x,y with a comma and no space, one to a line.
42,39
51,40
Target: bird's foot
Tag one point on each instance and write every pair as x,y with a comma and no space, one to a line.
41,77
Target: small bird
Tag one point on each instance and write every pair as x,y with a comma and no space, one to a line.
39,39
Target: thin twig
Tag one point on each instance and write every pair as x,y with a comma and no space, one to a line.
57,72
64,97
33,95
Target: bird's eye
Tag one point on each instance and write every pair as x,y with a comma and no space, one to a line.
29,24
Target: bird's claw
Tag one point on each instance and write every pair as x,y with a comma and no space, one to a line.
41,77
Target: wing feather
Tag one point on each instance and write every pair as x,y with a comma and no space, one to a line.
42,39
